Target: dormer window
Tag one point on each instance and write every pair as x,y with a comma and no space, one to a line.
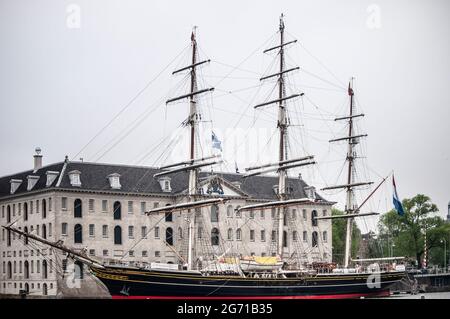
75,178
310,192
32,180
164,182
114,181
15,183
51,176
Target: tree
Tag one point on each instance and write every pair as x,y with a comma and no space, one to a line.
407,232
339,230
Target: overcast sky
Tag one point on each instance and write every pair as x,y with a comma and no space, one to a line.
68,67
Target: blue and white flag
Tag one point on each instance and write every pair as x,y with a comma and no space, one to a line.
216,143
397,203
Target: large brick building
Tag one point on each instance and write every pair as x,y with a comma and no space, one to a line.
100,208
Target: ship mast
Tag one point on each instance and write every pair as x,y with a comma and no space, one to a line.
193,117
281,166
351,208
350,195
192,165
282,125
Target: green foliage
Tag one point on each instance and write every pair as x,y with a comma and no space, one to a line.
404,235
339,230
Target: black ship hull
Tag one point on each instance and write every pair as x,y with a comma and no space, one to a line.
155,284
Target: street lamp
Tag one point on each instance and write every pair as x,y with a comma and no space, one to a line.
445,253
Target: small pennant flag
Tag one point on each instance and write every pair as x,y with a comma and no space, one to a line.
397,203
216,143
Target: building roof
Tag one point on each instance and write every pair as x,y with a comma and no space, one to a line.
139,179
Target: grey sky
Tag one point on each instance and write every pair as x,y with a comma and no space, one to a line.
59,86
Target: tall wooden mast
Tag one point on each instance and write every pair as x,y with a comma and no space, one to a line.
282,125
281,166
194,116
351,208
350,195
192,120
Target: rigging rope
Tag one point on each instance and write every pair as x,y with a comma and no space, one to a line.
123,109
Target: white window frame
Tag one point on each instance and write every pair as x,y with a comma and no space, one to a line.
130,206
104,205
64,202
91,230
130,231
91,205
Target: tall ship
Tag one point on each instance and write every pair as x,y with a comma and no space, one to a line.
211,269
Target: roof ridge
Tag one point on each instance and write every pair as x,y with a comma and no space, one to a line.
30,170
112,164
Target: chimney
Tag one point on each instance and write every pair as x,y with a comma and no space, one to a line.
37,159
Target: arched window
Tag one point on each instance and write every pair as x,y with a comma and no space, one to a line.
284,238
294,235
25,238
9,272
214,214
169,236
44,231
230,234
44,269
229,211
78,234
238,234
8,214
180,233
26,269
8,239
117,210
25,211
215,236
77,208
27,288
117,235
313,218
44,290
44,208
315,239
